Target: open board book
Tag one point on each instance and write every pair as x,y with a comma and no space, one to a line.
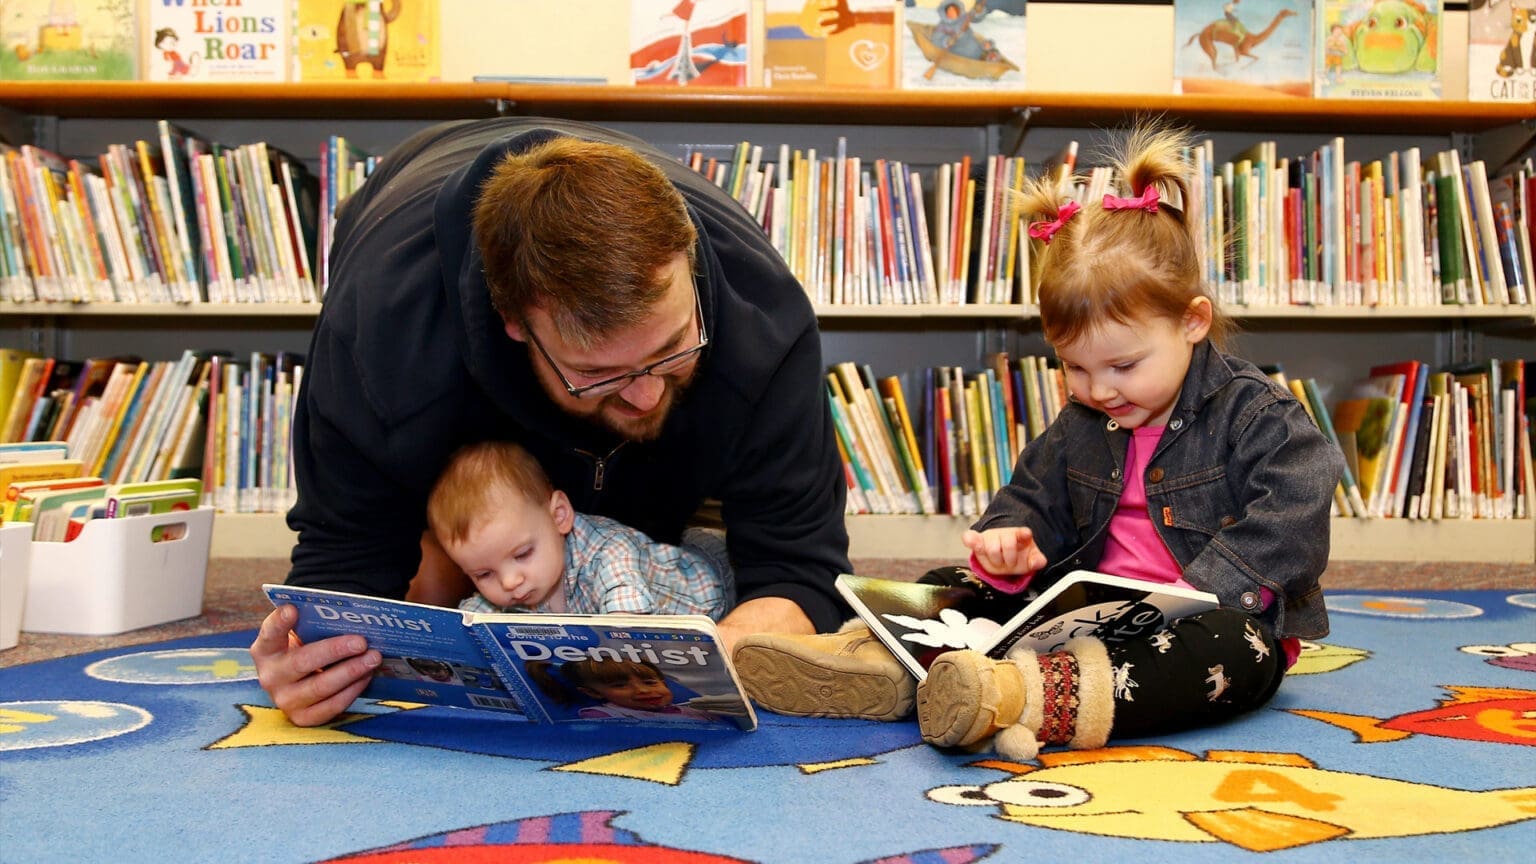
918,622
637,669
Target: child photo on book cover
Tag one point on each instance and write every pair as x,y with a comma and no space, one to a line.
615,689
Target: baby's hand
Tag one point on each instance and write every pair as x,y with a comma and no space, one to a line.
1005,551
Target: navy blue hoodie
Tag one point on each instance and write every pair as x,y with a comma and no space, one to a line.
409,361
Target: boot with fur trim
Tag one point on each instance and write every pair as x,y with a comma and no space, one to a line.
843,674
1019,704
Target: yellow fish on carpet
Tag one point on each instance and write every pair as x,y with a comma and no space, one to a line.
1258,801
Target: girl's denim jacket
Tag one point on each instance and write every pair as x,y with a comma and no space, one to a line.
1239,489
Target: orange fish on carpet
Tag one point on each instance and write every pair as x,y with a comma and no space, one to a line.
1497,715
1261,802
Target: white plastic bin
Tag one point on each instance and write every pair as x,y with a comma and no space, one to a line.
15,565
116,576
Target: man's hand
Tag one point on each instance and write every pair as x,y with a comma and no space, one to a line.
1005,551
763,615
314,683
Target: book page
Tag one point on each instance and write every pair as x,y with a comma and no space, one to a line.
653,670
1106,607
918,622
429,655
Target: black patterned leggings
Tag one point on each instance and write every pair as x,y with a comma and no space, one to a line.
1202,669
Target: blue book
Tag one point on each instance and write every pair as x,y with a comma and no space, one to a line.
533,667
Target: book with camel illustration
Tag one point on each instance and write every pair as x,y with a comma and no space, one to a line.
963,45
1501,50
1242,47
918,621
829,43
1377,49
643,670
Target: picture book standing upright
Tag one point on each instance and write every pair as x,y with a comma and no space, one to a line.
1501,50
682,43
185,40
1386,49
963,44
69,40
367,40
1242,47
829,43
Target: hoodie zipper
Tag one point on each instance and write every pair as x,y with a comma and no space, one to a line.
600,464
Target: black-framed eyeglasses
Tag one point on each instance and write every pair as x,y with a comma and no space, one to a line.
665,366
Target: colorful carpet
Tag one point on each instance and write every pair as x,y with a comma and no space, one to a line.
1408,735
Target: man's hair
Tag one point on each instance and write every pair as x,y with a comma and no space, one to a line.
1127,264
580,229
477,479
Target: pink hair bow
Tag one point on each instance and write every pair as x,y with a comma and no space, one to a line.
1043,230
1146,201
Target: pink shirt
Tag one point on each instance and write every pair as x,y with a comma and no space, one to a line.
1134,547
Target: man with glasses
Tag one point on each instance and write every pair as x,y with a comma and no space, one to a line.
579,292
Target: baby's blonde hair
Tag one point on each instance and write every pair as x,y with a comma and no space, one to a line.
474,483
1122,265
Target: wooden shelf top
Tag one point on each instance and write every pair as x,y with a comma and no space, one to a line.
366,99
825,311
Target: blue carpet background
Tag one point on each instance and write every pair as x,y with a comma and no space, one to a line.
171,752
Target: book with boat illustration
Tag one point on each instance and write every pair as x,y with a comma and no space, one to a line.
918,621
963,45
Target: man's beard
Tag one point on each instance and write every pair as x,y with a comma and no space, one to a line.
647,427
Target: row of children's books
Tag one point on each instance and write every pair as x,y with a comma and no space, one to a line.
954,447
1312,229
40,484
1321,228
1378,49
1418,444
222,420
184,219
1423,444
176,219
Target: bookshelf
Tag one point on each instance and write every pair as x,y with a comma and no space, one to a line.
923,128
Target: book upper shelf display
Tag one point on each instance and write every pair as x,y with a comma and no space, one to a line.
102,99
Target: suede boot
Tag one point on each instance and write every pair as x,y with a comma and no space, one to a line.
1020,704
843,674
